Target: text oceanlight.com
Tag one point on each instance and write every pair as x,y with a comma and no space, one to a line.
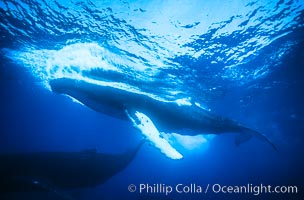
193,188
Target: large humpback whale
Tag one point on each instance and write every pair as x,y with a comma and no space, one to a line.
151,115
54,171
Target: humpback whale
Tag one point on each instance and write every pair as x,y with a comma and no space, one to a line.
53,171
151,115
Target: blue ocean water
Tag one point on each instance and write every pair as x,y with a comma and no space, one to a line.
239,59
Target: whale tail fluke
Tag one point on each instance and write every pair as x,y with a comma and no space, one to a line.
247,133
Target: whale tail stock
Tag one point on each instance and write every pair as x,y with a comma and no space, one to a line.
247,133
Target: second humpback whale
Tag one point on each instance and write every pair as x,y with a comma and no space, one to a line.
151,115
56,171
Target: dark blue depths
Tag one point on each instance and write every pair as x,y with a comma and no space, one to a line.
263,91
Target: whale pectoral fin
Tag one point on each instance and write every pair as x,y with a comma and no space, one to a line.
144,124
241,138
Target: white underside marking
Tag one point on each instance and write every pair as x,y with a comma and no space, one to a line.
188,142
149,130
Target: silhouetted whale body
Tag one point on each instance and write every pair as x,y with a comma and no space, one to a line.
168,116
48,171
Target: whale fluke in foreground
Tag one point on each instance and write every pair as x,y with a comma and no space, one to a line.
54,171
153,116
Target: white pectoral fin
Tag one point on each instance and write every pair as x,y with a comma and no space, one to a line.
148,129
